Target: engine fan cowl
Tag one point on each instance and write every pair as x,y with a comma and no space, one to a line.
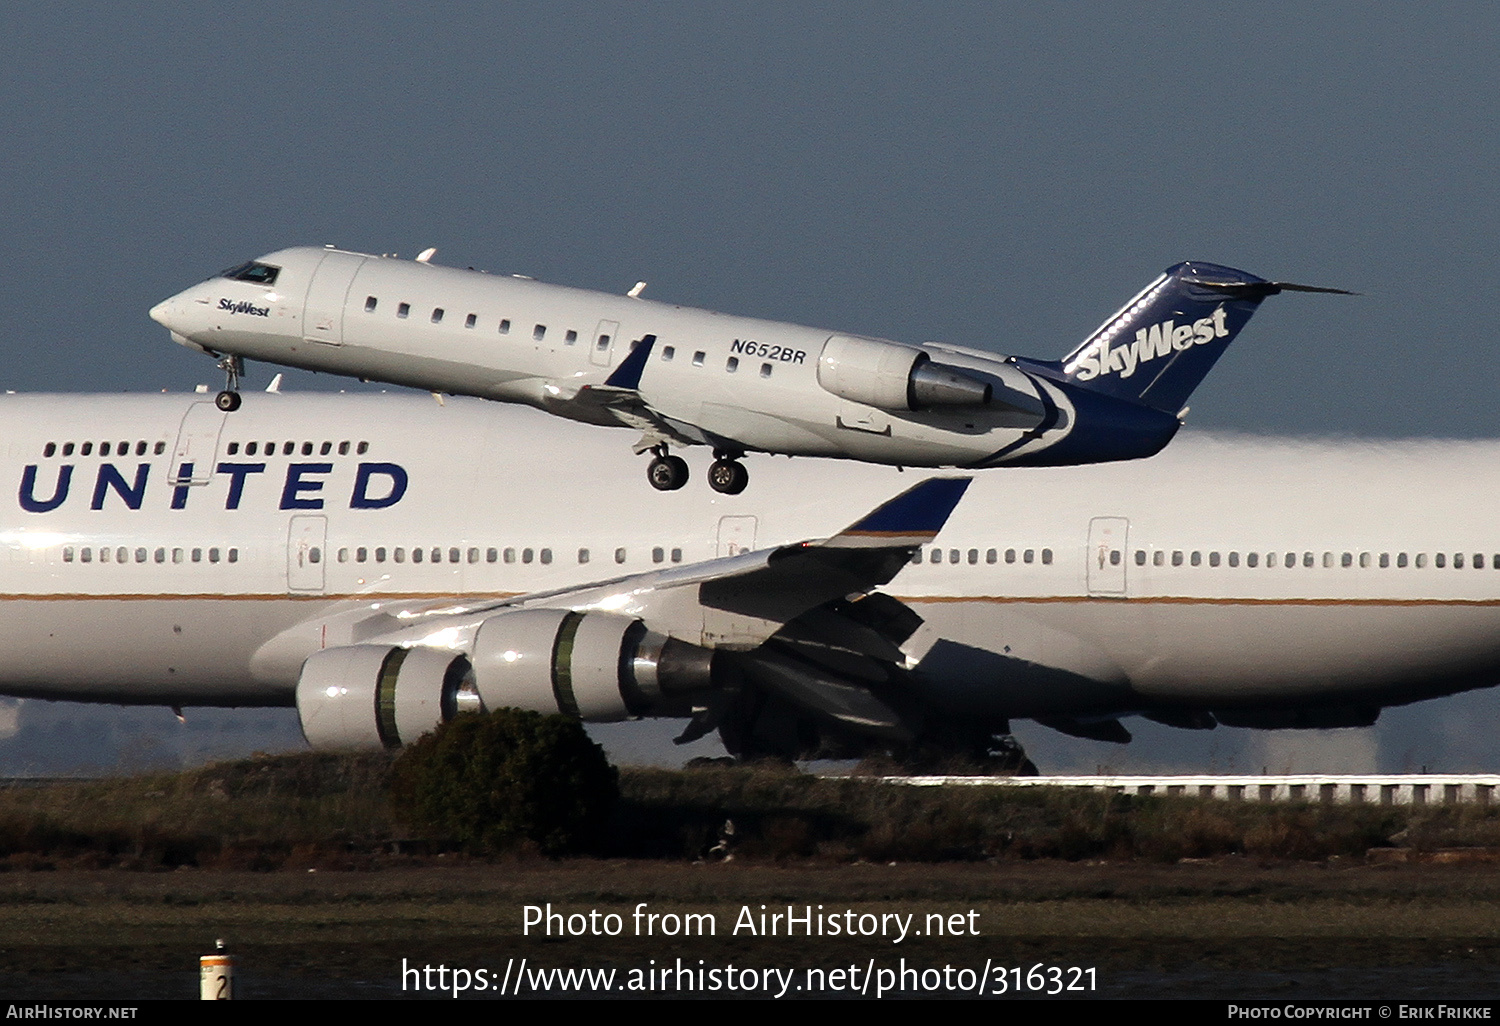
595,666
892,376
380,696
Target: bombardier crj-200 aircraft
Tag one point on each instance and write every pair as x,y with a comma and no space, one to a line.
385,562
693,377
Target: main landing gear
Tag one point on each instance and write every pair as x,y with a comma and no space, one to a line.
666,473
727,476
229,399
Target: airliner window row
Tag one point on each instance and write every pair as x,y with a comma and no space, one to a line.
105,448
306,448
123,554
1345,560
475,554
251,448
538,332
991,556
570,337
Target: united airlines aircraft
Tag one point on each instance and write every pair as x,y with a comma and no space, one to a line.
693,377
384,563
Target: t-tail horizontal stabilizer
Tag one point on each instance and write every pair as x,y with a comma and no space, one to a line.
1162,344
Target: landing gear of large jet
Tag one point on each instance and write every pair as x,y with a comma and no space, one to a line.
229,399
727,475
667,473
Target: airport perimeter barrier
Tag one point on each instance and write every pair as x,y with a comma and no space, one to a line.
1402,789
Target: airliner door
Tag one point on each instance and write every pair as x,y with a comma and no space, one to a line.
323,312
736,535
1106,556
197,444
602,346
306,548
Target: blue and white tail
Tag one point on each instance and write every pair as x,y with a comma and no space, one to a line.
1162,343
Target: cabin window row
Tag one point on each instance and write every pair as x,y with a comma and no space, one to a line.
972,556
291,448
104,448
476,554
142,554
731,365
1342,560
538,331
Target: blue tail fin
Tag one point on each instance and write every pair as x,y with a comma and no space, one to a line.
1163,342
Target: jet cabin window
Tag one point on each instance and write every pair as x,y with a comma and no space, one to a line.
261,274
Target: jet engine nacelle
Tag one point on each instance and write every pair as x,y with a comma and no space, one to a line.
891,376
599,667
381,696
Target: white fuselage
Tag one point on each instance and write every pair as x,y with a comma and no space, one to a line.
1225,573
736,383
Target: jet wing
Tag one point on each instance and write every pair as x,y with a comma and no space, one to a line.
739,601
619,399
734,602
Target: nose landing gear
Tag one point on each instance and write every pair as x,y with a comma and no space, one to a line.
229,399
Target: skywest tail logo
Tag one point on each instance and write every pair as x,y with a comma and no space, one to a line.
1158,340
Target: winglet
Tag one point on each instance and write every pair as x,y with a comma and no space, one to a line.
912,518
628,374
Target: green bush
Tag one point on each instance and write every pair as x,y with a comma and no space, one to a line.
497,781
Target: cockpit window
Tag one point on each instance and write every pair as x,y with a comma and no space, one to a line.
261,274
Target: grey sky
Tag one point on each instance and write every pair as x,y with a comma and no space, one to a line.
1000,175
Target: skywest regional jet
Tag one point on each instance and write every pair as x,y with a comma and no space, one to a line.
693,377
384,562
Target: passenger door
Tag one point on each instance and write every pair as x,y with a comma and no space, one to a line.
327,295
1107,552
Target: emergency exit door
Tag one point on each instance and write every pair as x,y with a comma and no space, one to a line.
306,552
1107,556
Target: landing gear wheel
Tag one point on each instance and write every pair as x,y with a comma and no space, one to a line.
667,473
229,399
728,476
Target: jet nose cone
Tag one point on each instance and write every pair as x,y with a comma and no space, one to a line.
161,313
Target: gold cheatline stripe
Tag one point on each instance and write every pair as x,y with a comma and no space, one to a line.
392,596
384,596
1197,601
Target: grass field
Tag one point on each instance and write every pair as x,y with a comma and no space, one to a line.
301,865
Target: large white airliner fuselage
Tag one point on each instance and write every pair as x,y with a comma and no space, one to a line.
156,550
